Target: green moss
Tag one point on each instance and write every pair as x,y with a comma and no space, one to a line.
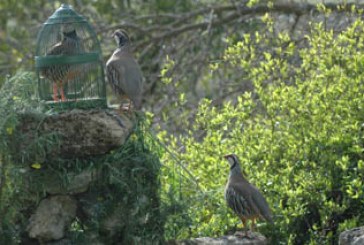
126,187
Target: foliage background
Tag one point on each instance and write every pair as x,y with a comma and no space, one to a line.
222,80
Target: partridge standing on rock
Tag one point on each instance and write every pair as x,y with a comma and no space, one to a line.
61,74
244,198
123,72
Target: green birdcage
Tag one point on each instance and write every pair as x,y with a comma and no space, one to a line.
69,62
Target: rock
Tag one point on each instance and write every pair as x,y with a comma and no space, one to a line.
52,217
284,22
88,132
64,241
114,222
352,237
256,239
111,221
80,132
76,183
91,239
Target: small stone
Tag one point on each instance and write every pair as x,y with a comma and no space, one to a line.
253,239
77,183
352,237
51,218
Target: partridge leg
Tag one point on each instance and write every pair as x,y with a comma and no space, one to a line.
245,227
55,92
63,97
129,105
244,232
252,227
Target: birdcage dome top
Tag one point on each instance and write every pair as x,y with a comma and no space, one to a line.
65,21
65,14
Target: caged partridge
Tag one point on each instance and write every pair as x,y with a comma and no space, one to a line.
123,71
61,74
244,198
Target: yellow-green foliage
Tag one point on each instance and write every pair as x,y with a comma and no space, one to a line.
299,136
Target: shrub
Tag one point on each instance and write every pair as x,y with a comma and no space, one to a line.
299,136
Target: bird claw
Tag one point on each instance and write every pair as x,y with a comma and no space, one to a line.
123,108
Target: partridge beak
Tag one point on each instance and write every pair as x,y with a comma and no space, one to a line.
226,156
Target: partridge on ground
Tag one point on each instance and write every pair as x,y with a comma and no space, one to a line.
244,198
123,71
61,74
